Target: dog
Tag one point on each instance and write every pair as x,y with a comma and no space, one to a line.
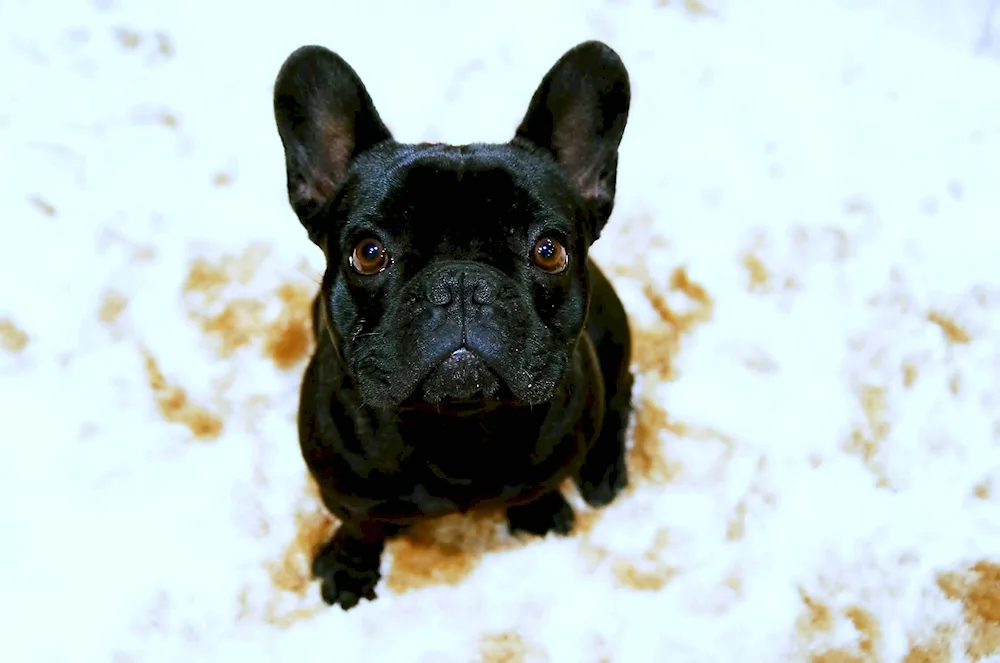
469,354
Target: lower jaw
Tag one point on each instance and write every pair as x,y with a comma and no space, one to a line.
457,407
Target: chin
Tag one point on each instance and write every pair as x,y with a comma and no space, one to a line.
462,383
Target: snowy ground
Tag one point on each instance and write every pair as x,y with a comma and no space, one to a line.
806,237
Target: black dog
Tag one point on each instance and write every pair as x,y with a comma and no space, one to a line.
469,354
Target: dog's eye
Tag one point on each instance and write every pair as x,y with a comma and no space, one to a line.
549,255
369,257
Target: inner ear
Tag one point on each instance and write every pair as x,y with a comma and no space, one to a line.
578,115
325,119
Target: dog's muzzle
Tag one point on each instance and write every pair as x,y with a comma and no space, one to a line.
462,377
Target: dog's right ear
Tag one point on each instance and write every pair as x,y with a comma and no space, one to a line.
325,119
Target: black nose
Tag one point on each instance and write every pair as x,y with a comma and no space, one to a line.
468,283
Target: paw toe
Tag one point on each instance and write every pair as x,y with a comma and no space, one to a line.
562,522
347,590
603,491
551,514
333,595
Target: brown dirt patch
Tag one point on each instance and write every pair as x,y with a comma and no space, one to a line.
758,276
953,332
113,304
176,407
509,647
759,362
837,656
692,7
13,339
288,338
585,521
645,573
868,628
138,252
647,457
163,45
978,589
643,577
817,621
43,206
292,572
935,649
736,527
237,322
444,551
657,344
236,326
816,617
955,383
209,278
867,437
129,39
654,349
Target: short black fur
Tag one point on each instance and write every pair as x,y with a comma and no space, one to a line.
456,369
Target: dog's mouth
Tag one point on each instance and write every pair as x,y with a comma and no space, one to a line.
461,383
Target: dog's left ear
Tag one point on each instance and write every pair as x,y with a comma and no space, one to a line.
578,114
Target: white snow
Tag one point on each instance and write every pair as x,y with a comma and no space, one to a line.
852,147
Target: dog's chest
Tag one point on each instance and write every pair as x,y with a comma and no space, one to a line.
464,461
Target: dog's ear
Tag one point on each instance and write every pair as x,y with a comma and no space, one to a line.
578,114
325,119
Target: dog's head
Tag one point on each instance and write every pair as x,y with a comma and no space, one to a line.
456,274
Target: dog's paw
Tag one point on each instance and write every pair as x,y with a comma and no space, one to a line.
549,513
600,486
346,578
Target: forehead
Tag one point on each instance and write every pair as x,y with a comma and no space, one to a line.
450,185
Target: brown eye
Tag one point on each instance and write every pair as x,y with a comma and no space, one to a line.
549,255
369,257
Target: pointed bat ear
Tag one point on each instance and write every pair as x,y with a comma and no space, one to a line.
325,119
578,114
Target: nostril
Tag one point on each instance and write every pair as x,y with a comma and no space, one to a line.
484,293
439,294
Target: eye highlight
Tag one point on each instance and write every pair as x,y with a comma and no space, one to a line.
549,255
369,257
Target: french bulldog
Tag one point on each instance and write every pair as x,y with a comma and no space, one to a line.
469,354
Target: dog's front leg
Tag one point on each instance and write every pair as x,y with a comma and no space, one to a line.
548,513
347,566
